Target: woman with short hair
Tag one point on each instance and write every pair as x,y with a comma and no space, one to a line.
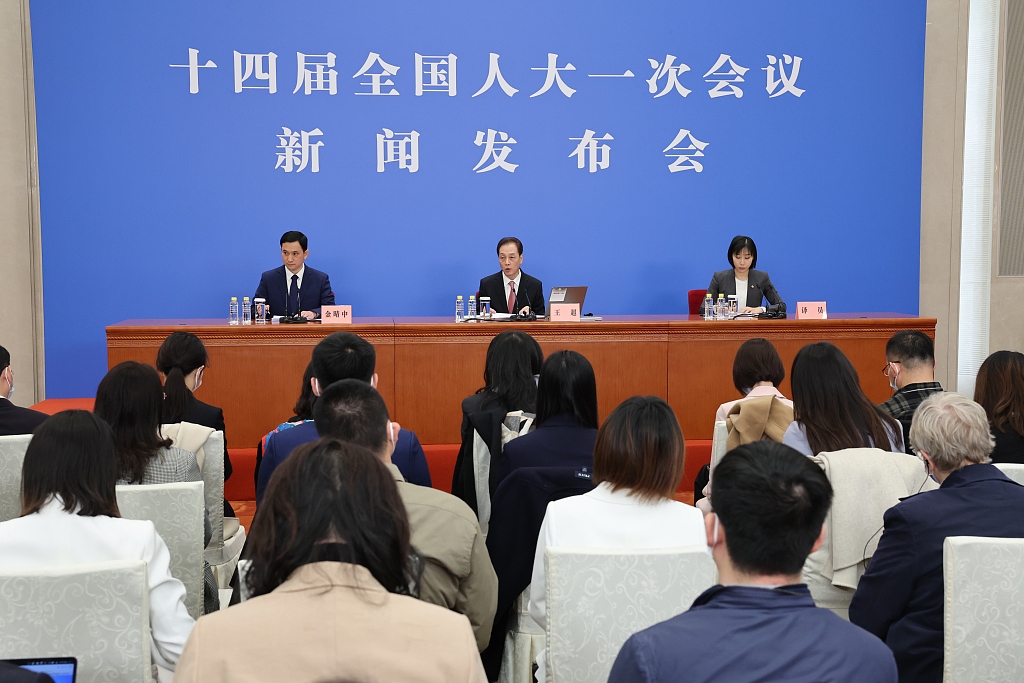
999,389
331,574
638,461
69,516
750,287
830,411
757,371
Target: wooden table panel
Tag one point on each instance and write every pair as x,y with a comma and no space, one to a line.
426,366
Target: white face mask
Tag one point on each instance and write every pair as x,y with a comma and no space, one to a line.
10,380
199,378
892,378
714,541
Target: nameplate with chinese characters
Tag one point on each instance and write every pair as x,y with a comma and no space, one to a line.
811,310
336,315
565,313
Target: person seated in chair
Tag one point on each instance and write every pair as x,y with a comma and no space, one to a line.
760,623
14,419
511,290
295,288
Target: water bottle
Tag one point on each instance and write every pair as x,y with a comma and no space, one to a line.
471,313
459,310
246,311
233,311
720,311
733,307
709,308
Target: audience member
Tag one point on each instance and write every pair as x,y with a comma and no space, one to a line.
760,623
999,389
830,410
638,461
900,597
182,361
511,370
70,517
910,368
14,419
756,371
303,413
332,571
457,572
566,424
339,356
130,399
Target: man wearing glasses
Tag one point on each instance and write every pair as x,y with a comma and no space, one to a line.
910,367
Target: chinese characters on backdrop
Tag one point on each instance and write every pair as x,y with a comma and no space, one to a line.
299,150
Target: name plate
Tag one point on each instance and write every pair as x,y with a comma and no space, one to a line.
811,310
336,315
564,313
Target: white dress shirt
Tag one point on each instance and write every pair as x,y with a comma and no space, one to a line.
54,538
288,278
612,520
519,276
741,294
723,410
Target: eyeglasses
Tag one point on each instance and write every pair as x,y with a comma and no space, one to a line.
885,370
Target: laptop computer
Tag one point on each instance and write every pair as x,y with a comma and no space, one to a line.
60,669
567,295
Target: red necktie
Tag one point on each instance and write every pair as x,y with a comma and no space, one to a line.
512,297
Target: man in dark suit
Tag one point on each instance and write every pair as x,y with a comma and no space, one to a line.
900,599
14,419
512,285
295,288
342,355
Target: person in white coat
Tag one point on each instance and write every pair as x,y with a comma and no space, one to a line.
638,462
69,516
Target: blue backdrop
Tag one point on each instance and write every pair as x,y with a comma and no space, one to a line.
158,202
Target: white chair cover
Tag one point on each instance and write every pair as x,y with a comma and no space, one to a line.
97,613
223,553
721,435
177,512
596,599
984,609
12,455
523,642
1012,470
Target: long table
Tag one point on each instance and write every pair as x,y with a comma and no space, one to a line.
426,366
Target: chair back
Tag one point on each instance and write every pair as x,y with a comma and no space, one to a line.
176,511
694,299
97,613
1012,470
718,443
984,609
213,481
597,599
12,455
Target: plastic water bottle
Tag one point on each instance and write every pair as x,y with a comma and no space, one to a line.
246,311
709,308
233,311
471,313
460,314
733,306
720,311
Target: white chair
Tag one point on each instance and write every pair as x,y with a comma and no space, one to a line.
597,599
222,553
984,609
98,613
12,455
1012,470
721,435
523,642
176,511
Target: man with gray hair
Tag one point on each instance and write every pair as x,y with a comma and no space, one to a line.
900,598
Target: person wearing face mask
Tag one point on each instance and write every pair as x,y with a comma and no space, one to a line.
910,369
901,596
751,287
339,356
14,419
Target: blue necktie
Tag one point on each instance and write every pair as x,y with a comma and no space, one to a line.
293,296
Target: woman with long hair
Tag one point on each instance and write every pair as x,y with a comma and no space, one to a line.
331,574
999,389
830,410
69,516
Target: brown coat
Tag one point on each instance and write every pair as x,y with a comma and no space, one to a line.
764,417
331,621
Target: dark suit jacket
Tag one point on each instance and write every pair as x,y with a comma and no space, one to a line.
17,420
759,287
315,291
517,510
530,292
408,456
1009,446
900,597
560,442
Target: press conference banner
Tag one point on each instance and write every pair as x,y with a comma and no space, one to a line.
624,143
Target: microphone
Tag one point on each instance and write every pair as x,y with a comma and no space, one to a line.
526,316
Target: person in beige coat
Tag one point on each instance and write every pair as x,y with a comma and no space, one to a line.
457,571
332,576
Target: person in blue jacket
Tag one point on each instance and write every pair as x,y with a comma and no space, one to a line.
342,355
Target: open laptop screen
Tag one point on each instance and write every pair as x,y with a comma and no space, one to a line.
60,669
